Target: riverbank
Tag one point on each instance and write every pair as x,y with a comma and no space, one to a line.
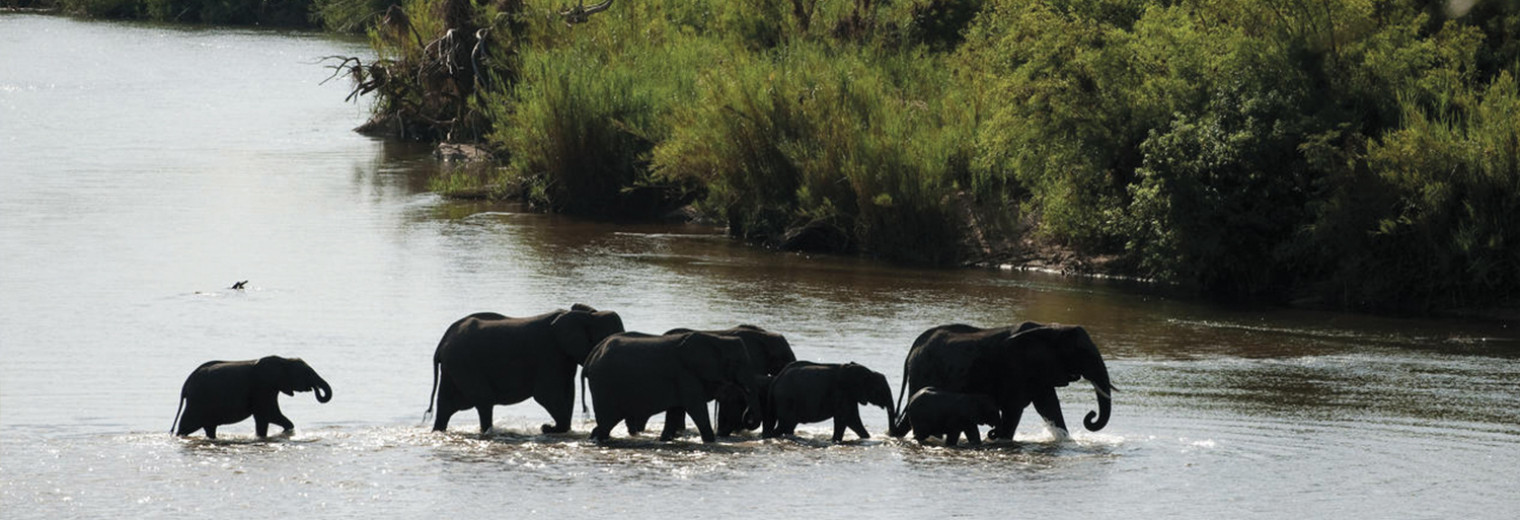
1361,157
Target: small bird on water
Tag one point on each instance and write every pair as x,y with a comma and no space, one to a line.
239,285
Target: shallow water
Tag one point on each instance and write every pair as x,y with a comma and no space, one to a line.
144,169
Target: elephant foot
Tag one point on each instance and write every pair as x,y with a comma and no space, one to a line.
550,428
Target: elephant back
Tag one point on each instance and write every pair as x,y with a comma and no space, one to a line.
957,358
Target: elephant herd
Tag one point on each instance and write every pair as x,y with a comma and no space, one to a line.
957,376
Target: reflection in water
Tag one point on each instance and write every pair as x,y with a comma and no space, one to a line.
138,184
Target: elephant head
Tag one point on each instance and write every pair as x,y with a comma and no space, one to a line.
1056,355
866,386
290,375
983,409
770,351
578,330
721,361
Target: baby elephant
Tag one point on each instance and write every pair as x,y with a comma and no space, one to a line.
225,392
806,392
932,413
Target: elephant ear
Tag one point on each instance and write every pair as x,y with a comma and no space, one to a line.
582,307
603,324
778,352
572,332
1041,360
699,353
273,373
855,379
1028,326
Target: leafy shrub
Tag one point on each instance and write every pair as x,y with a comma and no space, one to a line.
817,139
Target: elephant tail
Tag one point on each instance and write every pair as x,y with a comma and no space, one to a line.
897,409
901,426
434,392
175,427
183,392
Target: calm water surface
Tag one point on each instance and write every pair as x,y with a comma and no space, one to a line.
143,169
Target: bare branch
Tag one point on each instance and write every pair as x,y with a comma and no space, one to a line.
580,13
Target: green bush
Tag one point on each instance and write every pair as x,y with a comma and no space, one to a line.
809,138
1449,237
581,123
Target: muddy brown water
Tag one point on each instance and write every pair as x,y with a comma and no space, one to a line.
144,169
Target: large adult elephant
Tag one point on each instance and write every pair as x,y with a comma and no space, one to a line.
1016,366
769,352
486,359
225,392
634,375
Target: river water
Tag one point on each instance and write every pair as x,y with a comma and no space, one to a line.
144,169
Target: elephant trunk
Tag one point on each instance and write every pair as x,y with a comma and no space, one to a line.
754,412
1104,390
322,389
753,389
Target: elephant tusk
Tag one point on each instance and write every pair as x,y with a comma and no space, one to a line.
1104,392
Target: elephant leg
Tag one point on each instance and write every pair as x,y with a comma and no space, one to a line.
449,401
952,438
284,422
558,398
973,435
472,391
636,425
851,414
211,431
1049,407
704,425
730,416
603,429
268,411
785,425
484,410
675,422
1009,422
188,424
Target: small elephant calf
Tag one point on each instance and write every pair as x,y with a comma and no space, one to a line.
932,413
806,392
225,392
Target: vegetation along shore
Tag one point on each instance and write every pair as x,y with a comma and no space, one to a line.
1359,154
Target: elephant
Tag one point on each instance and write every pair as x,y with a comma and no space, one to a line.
806,392
933,413
769,351
225,392
486,359
635,375
1015,366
